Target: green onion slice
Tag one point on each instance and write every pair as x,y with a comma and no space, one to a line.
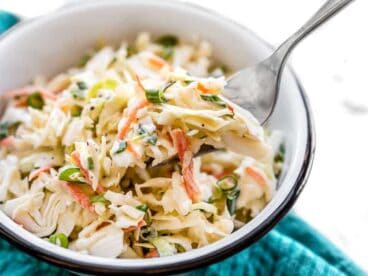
213,99
76,111
163,247
143,207
122,147
35,100
71,175
152,139
4,131
167,52
148,233
59,239
84,59
228,182
155,96
168,40
131,50
77,93
231,201
91,164
280,156
100,199
141,130
82,85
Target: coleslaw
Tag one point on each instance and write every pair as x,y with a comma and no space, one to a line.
78,153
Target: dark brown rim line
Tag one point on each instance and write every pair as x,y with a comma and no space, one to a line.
214,256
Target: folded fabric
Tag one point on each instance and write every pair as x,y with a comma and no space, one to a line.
292,248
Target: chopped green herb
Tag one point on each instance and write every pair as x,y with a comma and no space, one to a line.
280,156
71,175
230,115
131,50
35,100
155,96
234,194
282,148
84,59
4,131
227,183
142,207
141,130
168,40
167,52
152,139
77,93
148,233
180,248
122,146
187,82
76,110
213,99
231,201
59,239
91,164
99,199
168,85
82,85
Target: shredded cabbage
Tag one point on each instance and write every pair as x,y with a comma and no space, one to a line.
77,164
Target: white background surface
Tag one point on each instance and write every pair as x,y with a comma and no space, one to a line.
331,64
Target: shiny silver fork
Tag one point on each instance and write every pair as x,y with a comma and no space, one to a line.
256,88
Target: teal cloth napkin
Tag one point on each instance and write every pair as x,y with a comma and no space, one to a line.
291,248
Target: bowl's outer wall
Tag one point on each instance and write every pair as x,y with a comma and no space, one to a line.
53,43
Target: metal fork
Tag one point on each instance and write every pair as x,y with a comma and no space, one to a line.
256,88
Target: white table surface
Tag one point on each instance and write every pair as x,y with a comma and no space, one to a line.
331,65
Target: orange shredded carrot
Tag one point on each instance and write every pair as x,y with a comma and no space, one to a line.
230,108
156,62
132,116
258,177
48,95
222,174
186,159
202,88
34,174
133,151
7,141
64,108
140,85
21,102
76,158
152,254
79,196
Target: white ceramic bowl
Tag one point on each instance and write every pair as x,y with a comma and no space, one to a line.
52,43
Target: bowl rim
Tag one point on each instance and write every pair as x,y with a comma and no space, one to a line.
214,256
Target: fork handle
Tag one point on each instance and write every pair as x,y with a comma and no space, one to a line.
328,10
